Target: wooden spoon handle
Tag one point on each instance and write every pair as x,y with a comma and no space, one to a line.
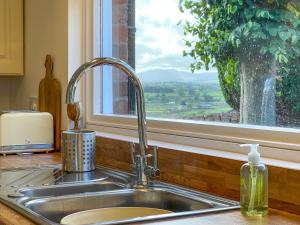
49,66
74,113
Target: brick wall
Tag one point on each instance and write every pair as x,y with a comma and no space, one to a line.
120,50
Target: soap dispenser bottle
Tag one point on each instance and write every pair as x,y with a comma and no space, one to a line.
254,184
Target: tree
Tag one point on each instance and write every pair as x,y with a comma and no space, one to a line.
244,39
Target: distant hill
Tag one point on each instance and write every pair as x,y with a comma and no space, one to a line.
169,75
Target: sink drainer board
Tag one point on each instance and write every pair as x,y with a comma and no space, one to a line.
56,208
61,190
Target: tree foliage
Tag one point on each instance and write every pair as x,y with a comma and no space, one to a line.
225,32
288,87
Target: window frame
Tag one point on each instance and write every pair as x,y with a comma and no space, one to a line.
278,143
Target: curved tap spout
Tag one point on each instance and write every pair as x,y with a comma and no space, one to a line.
129,71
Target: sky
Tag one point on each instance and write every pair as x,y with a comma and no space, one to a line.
159,38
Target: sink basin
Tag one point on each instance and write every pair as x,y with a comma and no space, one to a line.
110,214
55,208
60,190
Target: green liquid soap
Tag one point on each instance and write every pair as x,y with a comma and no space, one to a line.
254,186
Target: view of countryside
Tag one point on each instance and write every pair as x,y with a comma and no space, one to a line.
171,89
182,95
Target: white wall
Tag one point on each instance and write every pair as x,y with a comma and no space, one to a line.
4,93
46,32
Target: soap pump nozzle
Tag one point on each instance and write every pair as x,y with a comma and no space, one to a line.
253,155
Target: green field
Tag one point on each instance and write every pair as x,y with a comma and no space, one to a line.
183,100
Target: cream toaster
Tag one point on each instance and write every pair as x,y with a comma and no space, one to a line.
25,131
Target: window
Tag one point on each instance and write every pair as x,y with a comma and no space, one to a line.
206,68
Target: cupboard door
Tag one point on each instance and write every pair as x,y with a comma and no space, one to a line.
11,37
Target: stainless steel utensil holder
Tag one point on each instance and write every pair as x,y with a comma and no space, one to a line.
79,150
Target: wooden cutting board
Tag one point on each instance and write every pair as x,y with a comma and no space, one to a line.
50,99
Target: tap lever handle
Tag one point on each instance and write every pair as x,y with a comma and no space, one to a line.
132,152
153,170
155,157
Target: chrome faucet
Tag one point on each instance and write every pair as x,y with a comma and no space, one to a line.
142,170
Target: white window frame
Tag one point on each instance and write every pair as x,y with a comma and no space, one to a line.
276,142
102,42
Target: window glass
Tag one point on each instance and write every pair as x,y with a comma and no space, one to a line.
227,61
171,89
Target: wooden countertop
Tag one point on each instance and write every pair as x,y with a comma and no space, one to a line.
28,160
234,217
9,217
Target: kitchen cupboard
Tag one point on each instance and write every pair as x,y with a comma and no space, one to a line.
11,37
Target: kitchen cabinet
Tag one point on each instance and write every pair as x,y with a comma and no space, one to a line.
11,37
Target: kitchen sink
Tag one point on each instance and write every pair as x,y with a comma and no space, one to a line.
104,188
54,209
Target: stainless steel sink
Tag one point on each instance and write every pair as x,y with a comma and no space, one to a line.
106,188
54,209
70,189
